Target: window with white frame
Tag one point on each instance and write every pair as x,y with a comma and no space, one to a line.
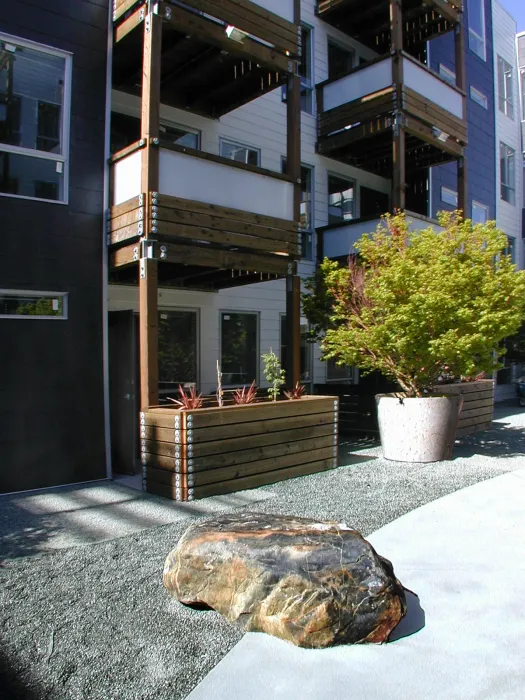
35,91
476,27
306,220
305,72
478,97
505,89
341,199
240,152
341,59
239,347
448,75
511,248
480,213
449,196
507,173
15,303
341,373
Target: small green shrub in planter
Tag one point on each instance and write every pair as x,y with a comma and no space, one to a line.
416,304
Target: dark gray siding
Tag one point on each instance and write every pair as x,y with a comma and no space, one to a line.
481,154
51,393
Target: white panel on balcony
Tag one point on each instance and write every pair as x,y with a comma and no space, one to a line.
430,86
339,241
363,82
283,8
191,177
126,178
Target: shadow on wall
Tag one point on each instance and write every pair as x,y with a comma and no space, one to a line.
502,440
12,687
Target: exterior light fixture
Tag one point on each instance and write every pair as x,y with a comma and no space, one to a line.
235,34
439,134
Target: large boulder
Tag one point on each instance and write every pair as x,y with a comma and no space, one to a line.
313,583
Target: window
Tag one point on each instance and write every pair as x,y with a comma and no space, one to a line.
306,221
479,97
125,130
34,120
240,153
448,75
35,305
340,60
522,80
341,373
305,350
341,201
449,196
239,348
480,213
505,91
178,349
507,173
476,27
305,72
511,248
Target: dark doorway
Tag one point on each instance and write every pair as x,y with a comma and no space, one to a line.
124,389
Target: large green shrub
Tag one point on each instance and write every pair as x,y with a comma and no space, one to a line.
415,305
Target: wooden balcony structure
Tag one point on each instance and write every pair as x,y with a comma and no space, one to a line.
393,116
193,220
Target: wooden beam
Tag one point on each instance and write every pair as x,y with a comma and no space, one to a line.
398,141
129,24
459,45
120,7
148,276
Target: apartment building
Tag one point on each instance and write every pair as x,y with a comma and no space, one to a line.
275,120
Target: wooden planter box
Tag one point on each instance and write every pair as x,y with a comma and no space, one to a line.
209,451
478,404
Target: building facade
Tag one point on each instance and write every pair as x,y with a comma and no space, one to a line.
52,128
378,130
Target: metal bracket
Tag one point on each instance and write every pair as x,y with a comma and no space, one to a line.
148,23
141,200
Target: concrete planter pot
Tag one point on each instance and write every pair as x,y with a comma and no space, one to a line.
418,429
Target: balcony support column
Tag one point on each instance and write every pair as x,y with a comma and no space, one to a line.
398,131
293,166
148,273
459,45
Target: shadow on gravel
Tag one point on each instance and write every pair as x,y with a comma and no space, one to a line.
414,620
11,685
503,440
507,409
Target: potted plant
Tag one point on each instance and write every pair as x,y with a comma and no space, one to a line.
416,305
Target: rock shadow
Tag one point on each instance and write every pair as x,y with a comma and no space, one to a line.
414,620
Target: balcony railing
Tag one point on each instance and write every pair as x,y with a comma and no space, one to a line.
338,240
208,200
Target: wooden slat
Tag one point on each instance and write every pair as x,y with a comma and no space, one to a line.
474,412
476,405
227,415
424,132
248,17
363,109
124,207
129,24
123,256
214,476
434,115
130,217
128,150
229,259
172,231
125,234
221,432
444,8
465,421
240,457
120,7
244,483
219,223
206,31
465,387
217,447
165,200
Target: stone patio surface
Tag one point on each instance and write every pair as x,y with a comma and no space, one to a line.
83,613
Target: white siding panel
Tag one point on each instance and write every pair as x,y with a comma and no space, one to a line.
126,178
194,178
431,87
358,84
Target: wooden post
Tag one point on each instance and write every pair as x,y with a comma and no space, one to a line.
461,83
293,166
148,277
398,131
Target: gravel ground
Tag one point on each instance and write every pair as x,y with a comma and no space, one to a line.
93,621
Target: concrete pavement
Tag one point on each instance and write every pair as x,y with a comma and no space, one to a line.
463,556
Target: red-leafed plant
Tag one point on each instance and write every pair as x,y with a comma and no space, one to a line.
245,395
189,401
296,393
